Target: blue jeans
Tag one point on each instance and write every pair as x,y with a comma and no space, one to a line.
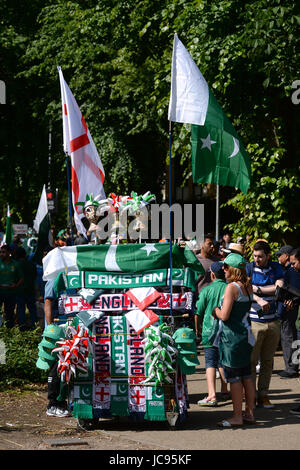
211,356
23,301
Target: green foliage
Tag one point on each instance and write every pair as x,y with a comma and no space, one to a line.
21,355
116,57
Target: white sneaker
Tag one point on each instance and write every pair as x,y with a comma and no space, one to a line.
51,411
61,413
57,412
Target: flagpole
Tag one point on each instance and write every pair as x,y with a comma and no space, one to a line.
170,216
69,197
217,211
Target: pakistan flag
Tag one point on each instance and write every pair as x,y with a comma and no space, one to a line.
127,258
218,155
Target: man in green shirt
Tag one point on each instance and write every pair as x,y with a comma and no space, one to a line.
11,277
209,298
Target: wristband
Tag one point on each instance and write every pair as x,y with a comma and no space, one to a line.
259,291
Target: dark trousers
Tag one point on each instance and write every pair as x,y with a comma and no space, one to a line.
9,301
288,336
23,301
54,387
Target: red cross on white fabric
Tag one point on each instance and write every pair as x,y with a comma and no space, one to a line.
71,304
137,396
102,393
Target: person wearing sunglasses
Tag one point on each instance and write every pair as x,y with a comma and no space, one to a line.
236,340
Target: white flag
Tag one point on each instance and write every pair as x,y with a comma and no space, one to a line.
189,89
87,170
42,225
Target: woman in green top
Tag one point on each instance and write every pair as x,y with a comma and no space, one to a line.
236,340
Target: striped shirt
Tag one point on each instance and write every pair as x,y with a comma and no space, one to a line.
264,276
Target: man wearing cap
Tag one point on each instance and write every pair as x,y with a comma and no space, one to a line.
283,255
265,275
209,298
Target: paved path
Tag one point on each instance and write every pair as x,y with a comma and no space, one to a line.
276,429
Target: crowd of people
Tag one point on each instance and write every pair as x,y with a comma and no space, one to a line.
22,288
240,315
244,310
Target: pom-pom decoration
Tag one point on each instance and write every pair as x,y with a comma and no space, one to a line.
136,203
117,203
73,352
160,354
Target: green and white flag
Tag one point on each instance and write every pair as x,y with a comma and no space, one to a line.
8,236
218,155
155,404
42,226
127,258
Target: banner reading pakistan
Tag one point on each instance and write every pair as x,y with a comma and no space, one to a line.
218,155
130,258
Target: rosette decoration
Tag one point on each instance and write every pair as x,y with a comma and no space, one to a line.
73,352
136,202
102,204
160,354
117,203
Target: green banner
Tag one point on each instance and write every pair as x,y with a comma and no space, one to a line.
119,367
104,280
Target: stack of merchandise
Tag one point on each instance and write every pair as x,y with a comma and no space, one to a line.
51,335
185,341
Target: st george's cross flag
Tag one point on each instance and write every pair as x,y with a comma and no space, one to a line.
86,167
218,155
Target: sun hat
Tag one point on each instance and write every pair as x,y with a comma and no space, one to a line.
187,348
190,359
234,248
53,331
45,353
235,260
184,335
48,343
43,363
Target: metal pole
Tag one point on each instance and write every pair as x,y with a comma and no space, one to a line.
70,197
170,215
217,211
49,155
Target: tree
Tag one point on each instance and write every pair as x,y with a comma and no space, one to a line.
116,58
